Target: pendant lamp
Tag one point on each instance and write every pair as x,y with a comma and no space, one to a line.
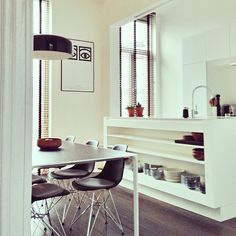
51,47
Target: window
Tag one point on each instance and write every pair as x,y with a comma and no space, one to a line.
136,65
40,73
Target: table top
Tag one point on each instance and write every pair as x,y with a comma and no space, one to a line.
73,153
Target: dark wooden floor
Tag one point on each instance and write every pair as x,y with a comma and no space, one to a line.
156,218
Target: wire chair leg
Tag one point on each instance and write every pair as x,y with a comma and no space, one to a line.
81,200
35,227
60,222
115,218
48,215
98,210
66,208
105,212
50,227
74,217
90,215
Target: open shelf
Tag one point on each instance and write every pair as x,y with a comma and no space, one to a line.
176,189
151,140
178,157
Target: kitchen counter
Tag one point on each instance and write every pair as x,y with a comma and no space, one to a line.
153,139
178,118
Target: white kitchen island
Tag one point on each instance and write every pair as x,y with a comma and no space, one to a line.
154,141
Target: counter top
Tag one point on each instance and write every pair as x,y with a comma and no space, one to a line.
177,118
177,124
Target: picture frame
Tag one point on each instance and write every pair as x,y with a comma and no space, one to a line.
77,72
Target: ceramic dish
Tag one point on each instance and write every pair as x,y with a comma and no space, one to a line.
172,180
198,153
49,144
172,174
197,136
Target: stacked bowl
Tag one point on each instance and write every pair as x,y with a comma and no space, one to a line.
198,153
173,174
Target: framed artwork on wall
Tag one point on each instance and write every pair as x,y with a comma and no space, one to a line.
77,72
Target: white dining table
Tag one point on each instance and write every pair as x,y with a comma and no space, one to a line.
74,153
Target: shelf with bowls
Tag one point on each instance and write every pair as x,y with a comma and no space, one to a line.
154,140
176,189
155,153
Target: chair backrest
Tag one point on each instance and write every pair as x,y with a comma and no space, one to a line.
93,143
113,170
88,166
120,147
70,138
36,179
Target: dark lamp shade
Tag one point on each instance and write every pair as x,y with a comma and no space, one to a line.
51,47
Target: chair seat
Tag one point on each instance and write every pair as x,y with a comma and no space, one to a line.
38,179
69,174
92,184
47,190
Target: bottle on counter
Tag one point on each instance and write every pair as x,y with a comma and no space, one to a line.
185,112
218,107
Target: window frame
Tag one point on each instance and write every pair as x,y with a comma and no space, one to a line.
134,54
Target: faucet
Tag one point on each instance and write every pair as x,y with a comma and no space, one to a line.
194,111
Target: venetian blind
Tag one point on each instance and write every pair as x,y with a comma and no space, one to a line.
136,65
41,73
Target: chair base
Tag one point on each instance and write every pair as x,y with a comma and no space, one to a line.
41,211
97,205
69,198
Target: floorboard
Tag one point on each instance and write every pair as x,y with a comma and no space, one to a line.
156,219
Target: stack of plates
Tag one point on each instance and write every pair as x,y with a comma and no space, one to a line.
173,174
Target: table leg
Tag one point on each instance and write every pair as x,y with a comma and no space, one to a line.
135,195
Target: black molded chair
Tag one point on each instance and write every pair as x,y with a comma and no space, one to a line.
44,198
38,179
108,178
70,138
78,170
120,147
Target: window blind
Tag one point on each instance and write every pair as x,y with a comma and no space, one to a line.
136,65
41,73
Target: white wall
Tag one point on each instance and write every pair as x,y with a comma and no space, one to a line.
82,113
113,12
181,19
221,78
77,113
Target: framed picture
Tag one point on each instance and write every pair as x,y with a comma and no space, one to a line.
77,72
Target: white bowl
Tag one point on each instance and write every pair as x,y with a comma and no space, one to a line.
173,173
173,170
